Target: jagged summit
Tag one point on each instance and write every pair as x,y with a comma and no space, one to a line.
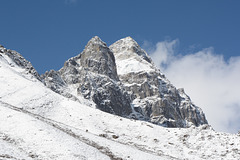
126,43
128,47
154,98
93,75
2,49
127,51
95,41
98,58
122,79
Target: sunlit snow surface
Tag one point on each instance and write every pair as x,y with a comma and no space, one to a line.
127,60
36,123
133,65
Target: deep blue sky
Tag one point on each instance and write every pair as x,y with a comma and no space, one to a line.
48,32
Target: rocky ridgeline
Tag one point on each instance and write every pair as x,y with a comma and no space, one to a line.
19,60
93,75
154,98
122,80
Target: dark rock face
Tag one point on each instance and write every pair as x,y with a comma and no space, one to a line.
93,75
110,97
98,58
137,92
161,103
53,80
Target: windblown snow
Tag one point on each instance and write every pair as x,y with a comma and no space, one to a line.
37,123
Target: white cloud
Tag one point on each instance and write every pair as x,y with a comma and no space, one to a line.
166,49
212,83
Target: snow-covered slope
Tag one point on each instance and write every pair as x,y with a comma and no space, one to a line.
28,136
37,123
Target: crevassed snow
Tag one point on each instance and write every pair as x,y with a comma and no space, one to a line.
36,123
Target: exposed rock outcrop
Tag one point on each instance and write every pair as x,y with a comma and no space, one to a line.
93,75
154,98
19,60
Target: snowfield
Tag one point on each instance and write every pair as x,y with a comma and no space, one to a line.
37,123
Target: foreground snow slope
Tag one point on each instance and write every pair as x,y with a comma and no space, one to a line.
27,137
37,123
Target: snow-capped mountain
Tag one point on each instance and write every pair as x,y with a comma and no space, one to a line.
55,117
122,80
154,98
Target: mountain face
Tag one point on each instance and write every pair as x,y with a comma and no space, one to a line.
122,80
54,117
154,98
93,75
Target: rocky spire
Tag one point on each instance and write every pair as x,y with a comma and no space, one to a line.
95,41
98,58
93,75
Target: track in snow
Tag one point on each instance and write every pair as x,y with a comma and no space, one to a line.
62,127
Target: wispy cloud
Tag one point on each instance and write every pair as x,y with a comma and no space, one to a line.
211,82
70,1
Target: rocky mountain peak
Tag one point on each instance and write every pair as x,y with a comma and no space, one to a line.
2,49
93,75
154,98
98,58
95,41
126,43
122,79
128,47
130,57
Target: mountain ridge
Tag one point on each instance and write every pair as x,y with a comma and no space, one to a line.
40,122
122,79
